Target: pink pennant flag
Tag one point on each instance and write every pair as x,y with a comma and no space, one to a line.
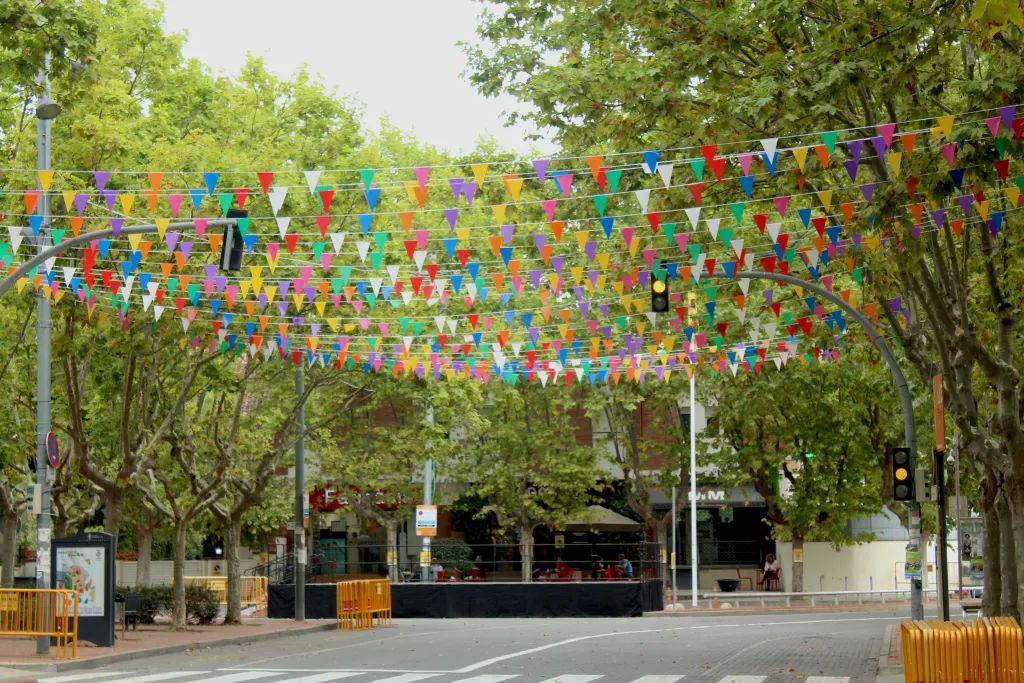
422,174
201,227
549,208
682,239
886,130
745,160
780,205
174,201
565,183
993,125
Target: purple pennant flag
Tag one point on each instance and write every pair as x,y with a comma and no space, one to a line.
965,204
591,250
868,190
534,334
1006,114
768,295
879,144
645,277
456,185
855,147
540,239
171,238
115,226
939,216
578,291
211,270
186,250
282,287
221,282
585,309
262,299
540,167
282,307
507,231
452,215
593,276
101,178
604,309
310,292
557,262
109,196
895,304
535,277
858,239
81,199
469,191
851,168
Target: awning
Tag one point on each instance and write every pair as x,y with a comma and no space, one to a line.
599,518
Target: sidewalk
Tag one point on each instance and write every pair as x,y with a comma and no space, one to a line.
890,659
18,655
683,609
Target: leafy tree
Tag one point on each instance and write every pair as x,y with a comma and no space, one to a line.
525,459
655,74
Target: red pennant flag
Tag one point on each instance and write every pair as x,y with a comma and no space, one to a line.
291,240
266,177
696,191
654,218
761,220
323,222
241,194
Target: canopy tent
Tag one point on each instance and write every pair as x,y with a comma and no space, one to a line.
599,518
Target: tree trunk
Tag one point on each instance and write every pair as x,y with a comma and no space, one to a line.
1007,558
391,553
798,567
178,608
526,552
1017,517
232,543
9,548
113,513
991,554
144,539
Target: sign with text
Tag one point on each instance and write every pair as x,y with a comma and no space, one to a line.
426,520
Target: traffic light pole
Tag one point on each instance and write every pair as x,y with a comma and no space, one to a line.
909,426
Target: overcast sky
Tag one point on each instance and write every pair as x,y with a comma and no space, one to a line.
399,57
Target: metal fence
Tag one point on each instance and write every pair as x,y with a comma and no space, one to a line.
501,562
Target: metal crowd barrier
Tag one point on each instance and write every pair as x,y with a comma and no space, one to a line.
41,612
362,603
254,589
988,650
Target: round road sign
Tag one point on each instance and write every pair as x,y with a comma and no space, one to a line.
52,450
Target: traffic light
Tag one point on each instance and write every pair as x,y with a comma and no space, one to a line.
659,295
231,248
902,475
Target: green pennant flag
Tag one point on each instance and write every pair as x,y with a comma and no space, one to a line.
737,211
225,199
318,249
698,168
829,139
377,260
366,175
614,176
417,328
669,231
371,299
600,202
243,226
381,238
57,235
725,234
622,321
694,250
858,275
345,274
336,285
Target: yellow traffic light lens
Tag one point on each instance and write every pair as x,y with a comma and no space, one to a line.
658,286
901,474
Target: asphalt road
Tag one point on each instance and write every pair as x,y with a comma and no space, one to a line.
789,648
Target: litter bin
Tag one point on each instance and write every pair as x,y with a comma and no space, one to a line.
118,611
728,585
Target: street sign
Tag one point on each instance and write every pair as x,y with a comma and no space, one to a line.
52,450
426,520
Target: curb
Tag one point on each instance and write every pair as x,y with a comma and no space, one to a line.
885,671
103,660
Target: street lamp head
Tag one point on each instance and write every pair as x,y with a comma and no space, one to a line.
47,110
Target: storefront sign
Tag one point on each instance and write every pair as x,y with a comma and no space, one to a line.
426,520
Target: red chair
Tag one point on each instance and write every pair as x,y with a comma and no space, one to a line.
564,571
440,575
749,580
474,574
769,581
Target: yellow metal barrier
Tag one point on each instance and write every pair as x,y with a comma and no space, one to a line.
361,603
981,651
41,612
254,589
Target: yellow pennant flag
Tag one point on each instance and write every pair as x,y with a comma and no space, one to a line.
825,197
514,186
800,154
499,213
127,202
161,226
479,173
45,180
944,126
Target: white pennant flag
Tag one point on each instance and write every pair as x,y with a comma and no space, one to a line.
312,177
770,145
282,225
16,236
157,312
439,321
375,283
276,196
737,247
392,273
419,257
665,171
713,224
364,248
773,230
337,239
643,196
693,213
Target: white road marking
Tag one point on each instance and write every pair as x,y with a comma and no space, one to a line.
827,679
404,678
82,677
572,678
166,676
240,677
620,634
743,679
489,678
661,679
319,678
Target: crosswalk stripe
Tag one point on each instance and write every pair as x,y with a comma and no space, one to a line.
320,678
661,679
743,679
573,678
166,676
81,677
404,678
240,677
827,679
487,678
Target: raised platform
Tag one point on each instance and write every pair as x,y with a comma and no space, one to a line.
488,599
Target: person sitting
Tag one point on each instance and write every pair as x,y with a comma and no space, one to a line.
771,570
625,566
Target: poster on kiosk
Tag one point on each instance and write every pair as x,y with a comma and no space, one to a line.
85,564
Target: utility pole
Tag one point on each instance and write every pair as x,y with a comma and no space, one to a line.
300,506
694,562
428,499
46,111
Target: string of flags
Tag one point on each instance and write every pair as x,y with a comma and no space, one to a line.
539,275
